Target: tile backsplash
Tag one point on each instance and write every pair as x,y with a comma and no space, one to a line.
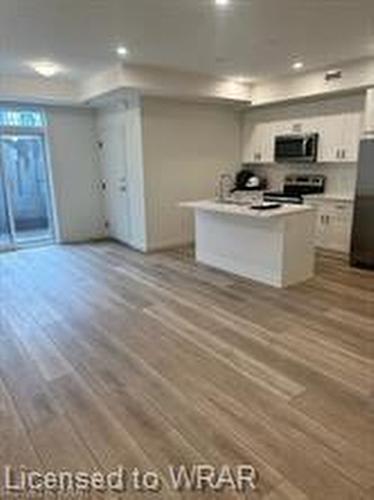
341,177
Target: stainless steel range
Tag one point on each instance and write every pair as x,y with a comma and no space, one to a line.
295,186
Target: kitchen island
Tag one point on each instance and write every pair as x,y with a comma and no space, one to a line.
274,246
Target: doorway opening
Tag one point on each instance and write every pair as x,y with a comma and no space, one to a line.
25,188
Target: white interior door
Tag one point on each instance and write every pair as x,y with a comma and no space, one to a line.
112,137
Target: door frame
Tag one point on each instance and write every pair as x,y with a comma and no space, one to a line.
7,209
40,132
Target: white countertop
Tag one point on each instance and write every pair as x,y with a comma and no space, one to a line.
245,210
329,197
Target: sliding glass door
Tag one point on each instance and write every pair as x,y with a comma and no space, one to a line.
6,239
25,197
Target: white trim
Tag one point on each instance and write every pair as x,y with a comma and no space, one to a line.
10,130
52,192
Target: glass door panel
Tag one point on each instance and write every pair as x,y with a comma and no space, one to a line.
27,187
5,228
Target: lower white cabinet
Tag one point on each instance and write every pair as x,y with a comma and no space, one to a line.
333,224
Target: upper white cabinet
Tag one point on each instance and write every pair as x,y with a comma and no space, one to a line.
339,138
369,113
259,143
339,135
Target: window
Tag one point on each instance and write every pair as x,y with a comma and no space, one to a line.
25,118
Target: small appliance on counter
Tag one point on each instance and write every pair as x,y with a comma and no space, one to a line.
246,180
295,186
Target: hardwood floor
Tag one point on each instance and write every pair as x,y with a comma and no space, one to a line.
111,357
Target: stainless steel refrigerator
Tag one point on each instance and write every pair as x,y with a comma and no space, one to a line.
362,246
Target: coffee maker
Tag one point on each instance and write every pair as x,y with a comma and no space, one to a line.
246,180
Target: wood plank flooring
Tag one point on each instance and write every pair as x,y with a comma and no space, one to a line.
111,357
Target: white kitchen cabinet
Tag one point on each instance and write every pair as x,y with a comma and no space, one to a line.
369,113
333,224
339,137
259,143
268,142
351,134
329,140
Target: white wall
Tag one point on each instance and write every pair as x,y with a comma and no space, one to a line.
318,107
75,173
356,76
186,147
153,81
38,90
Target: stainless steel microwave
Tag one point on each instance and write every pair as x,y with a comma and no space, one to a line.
296,148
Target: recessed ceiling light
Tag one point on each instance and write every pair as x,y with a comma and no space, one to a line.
222,3
122,51
298,65
46,68
241,79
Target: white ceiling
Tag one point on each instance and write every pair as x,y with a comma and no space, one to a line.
252,38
